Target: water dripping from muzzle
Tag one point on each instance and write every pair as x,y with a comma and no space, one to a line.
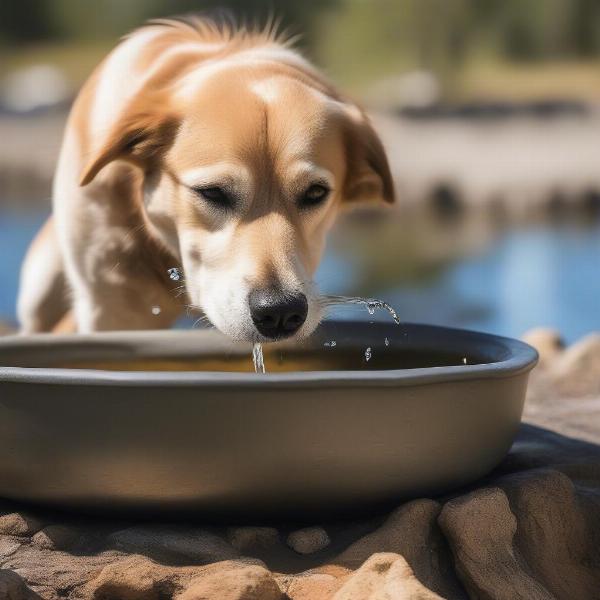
258,358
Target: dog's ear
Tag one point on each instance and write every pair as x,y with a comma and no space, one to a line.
368,175
139,137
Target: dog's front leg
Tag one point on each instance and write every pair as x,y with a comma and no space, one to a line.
137,304
117,280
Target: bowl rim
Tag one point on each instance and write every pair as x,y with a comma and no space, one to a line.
520,358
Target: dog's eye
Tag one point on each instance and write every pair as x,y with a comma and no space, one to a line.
314,195
215,196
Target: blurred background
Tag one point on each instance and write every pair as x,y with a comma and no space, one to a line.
489,110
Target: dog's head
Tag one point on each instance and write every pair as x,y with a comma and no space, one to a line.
245,170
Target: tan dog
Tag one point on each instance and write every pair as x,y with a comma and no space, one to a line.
218,149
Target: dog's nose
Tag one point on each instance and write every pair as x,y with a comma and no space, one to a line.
276,314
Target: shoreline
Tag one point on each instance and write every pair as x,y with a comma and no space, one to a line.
519,166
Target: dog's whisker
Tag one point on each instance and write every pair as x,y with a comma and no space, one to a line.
203,320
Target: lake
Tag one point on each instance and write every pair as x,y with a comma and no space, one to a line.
500,280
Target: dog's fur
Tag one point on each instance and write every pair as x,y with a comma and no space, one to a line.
177,105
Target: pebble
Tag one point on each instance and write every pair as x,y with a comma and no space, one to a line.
308,540
19,524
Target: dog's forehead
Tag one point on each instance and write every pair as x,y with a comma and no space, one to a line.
246,116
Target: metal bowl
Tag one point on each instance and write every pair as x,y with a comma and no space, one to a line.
337,432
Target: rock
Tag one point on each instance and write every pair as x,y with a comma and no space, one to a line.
140,578
12,587
548,342
481,529
56,537
135,578
384,576
8,547
313,586
169,544
235,582
249,539
412,531
577,373
563,394
308,540
56,575
19,524
556,532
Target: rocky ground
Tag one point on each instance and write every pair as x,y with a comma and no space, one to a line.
530,530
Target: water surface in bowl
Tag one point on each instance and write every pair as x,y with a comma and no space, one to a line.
278,360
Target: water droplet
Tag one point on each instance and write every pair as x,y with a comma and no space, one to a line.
373,304
368,354
331,344
465,360
174,274
156,310
392,312
386,342
258,358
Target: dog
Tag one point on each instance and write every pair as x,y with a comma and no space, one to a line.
215,148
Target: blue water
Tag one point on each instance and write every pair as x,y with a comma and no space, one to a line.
526,279
16,231
540,276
